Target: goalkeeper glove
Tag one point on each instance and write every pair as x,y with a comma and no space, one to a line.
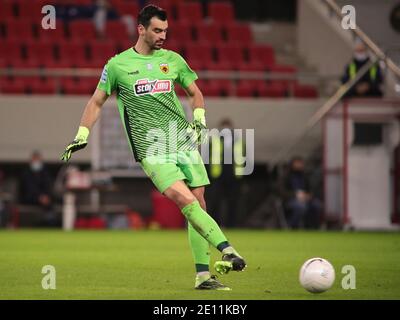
198,128
79,143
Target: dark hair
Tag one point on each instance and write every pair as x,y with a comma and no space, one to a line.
149,12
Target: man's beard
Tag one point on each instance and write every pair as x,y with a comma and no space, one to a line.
155,46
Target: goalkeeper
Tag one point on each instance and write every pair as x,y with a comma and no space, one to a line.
143,78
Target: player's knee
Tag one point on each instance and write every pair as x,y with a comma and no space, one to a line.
199,194
182,200
202,202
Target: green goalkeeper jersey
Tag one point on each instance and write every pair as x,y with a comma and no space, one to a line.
151,113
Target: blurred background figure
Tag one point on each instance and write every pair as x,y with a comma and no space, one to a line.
36,188
4,218
104,11
225,176
370,84
303,209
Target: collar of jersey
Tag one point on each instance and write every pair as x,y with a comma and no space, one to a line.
149,56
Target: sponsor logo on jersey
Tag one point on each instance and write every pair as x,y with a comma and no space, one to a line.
164,67
144,86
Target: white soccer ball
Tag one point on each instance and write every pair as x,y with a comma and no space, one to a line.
317,275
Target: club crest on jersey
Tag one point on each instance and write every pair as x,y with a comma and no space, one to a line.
164,67
144,86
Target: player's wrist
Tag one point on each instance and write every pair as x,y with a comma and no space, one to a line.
199,114
82,134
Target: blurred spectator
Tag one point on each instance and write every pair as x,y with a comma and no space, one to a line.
303,208
71,11
36,188
3,198
369,85
104,12
226,183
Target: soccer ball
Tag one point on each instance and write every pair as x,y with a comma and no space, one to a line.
317,275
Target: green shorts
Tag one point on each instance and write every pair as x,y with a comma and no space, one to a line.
165,170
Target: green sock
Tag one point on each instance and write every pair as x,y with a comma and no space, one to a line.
203,223
200,249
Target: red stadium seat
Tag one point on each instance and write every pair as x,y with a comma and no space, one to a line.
190,12
72,2
259,88
181,32
127,8
11,49
15,86
250,66
19,29
168,6
124,44
244,90
6,9
199,52
209,33
72,50
305,91
40,50
200,57
231,53
65,62
221,12
102,50
96,63
207,89
284,68
116,3
239,33
39,86
274,90
52,34
71,86
179,91
197,65
3,63
80,86
82,29
30,9
175,46
219,66
248,88
24,63
262,53
223,86
83,2
116,30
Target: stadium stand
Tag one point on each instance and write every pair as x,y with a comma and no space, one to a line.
209,37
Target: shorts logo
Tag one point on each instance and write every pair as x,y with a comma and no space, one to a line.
164,67
144,86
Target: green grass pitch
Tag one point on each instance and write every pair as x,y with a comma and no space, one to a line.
158,264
